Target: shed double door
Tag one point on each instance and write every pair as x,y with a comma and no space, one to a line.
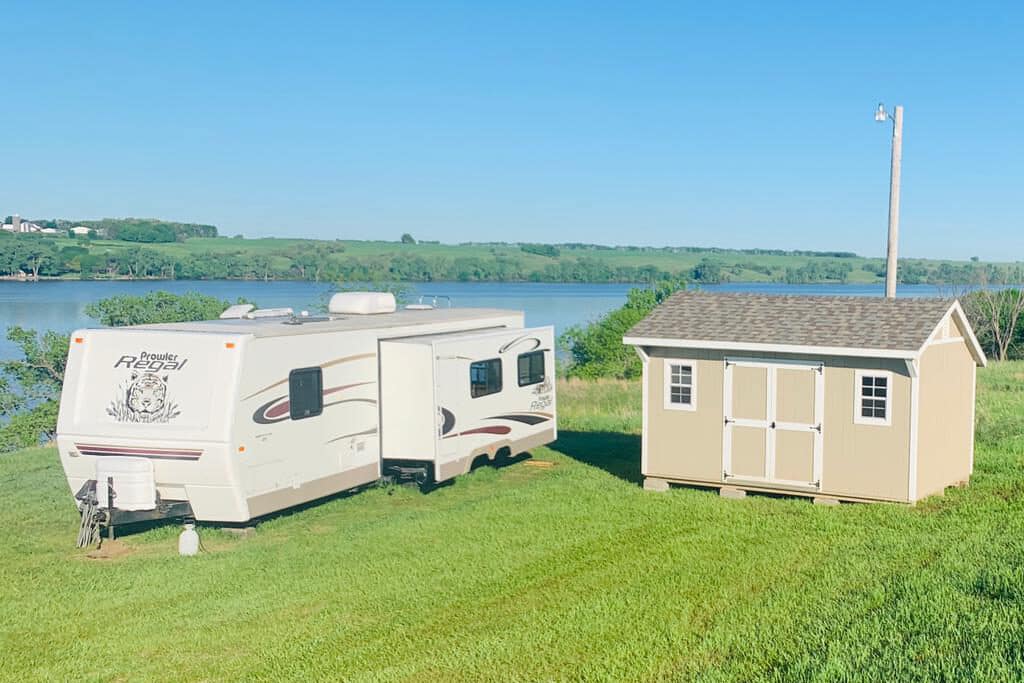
773,422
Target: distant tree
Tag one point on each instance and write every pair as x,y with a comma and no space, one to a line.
549,250
995,310
408,239
708,271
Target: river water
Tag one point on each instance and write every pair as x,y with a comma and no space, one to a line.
60,305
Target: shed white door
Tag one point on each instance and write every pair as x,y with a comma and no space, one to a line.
773,422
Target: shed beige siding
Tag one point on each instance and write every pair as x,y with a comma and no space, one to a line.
945,428
685,443
859,461
865,461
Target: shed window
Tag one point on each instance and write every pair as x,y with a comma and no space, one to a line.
680,385
874,398
531,368
485,377
305,393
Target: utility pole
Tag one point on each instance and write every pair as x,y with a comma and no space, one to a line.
892,259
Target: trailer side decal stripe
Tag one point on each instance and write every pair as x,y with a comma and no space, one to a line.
365,432
524,418
328,364
496,429
165,453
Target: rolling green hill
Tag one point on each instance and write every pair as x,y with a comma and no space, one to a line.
354,260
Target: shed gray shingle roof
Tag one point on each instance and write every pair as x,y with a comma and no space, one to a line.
822,321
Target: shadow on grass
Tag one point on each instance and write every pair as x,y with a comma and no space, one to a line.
141,527
616,453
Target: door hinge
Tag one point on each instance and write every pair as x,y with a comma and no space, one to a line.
772,425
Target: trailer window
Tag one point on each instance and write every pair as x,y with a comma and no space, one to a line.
531,368
305,393
484,377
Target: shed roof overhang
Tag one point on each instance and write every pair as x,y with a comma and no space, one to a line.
955,310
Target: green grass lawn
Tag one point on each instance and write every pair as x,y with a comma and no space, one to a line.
524,573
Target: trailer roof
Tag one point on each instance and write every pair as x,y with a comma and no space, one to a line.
289,325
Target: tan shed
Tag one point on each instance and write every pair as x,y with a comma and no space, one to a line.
851,398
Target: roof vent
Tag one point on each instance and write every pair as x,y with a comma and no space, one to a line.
362,303
236,311
269,313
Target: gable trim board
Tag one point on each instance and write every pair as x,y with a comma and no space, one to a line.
644,374
915,410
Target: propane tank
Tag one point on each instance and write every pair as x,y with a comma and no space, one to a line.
188,541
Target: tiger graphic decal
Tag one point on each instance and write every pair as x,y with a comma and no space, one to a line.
143,398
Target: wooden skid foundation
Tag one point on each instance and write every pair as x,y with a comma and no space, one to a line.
738,491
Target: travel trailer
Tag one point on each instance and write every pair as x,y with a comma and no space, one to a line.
227,420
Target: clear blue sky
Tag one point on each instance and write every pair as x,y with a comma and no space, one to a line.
627,123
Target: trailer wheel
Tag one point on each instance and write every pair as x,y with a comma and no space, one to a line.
502,457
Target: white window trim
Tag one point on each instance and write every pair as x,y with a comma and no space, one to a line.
860,419
667,391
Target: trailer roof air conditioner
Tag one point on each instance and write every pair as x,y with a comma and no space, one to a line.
362,303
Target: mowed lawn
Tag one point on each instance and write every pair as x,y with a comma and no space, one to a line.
526,573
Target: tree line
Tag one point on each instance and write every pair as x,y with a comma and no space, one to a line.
39,256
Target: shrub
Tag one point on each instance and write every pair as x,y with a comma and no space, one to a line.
596,350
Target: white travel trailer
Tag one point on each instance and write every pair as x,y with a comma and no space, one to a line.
227,420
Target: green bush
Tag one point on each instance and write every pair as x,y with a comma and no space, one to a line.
596,350
30,427
156,307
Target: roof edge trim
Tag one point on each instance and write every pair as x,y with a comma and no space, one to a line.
858,352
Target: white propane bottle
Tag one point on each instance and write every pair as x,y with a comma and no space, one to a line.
188,541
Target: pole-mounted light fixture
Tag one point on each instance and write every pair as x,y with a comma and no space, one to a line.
891,259
881,115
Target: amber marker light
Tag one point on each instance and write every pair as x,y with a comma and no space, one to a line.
241,449
79,340
229,345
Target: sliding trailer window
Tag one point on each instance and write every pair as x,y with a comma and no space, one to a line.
485,377
531,368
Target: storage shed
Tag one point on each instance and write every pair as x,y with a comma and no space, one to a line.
841,398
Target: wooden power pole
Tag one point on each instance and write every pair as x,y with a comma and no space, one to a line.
892,259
